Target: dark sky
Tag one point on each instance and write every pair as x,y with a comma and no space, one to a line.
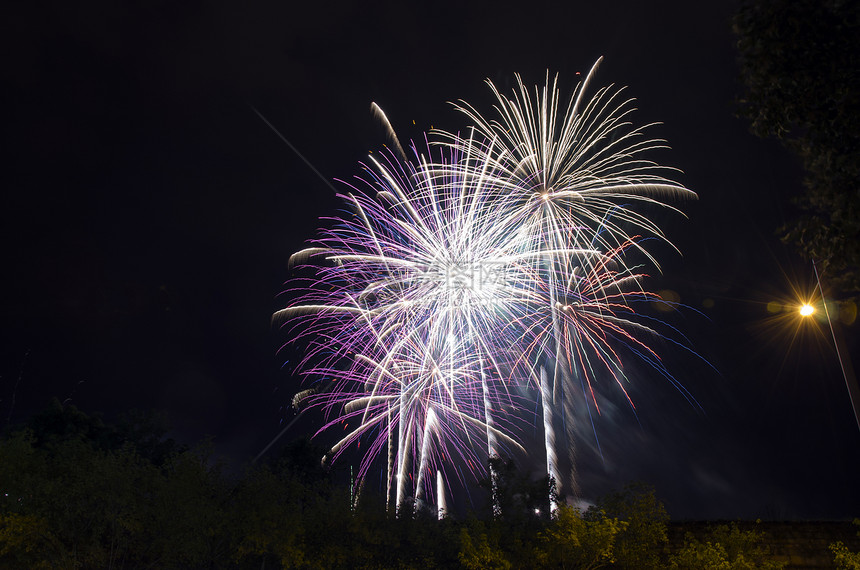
148,214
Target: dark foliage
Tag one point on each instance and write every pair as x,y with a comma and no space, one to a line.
800,65
145,432
76,492
641,543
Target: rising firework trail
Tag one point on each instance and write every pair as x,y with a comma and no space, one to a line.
441,503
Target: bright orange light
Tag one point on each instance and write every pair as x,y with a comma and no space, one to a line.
806,310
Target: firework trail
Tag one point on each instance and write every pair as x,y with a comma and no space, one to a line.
377,112
549,436
441,503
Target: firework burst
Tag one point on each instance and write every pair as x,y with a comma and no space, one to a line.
470,270
578,168
576,176
415,292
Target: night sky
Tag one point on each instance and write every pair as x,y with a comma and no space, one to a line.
148,215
